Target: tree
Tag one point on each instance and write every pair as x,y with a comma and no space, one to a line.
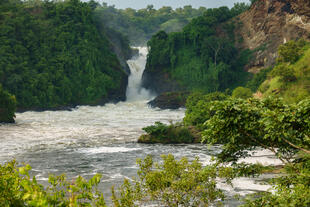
242,125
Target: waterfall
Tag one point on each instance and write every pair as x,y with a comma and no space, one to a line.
135,92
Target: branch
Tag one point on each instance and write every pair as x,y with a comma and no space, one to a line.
266,147
295,146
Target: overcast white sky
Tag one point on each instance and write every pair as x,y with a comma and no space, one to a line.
138,4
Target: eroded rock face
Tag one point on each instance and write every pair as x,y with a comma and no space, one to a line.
270,23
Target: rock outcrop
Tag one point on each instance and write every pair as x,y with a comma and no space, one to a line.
270,23
170,100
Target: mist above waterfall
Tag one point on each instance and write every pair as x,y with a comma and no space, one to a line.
135,91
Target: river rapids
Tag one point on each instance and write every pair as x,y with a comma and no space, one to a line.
102,139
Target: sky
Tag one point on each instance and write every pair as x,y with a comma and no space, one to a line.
138,4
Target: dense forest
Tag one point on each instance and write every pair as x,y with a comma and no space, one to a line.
139,25
202,56
52,54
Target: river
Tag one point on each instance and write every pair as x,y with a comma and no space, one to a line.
102,139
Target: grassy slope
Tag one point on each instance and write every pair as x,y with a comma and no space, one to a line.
295,90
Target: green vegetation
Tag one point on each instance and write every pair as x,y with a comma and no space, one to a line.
241,92
243,125
197,106
52,54
7,106
202,56
170,134
290,78
173,183
282,126
239,125
139,25
18,189
169,183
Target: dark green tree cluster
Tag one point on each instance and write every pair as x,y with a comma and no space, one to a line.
7,106
203,55
140,25
52,54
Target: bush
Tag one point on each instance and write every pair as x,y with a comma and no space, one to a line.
18,189
291,51
173,134
285,72
173,183
242,92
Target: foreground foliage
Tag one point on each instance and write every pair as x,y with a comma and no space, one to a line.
172,183
244,125
18,189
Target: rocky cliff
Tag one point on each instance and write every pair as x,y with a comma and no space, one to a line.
270,23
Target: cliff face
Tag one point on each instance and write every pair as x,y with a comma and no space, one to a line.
270,23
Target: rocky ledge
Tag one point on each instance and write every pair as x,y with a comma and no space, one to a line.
170,100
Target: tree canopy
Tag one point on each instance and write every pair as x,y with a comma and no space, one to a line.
52,54
202,56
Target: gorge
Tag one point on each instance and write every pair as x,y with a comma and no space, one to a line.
205,58
102,139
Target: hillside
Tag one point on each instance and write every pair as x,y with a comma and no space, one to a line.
213,52
270,23
200,57
52,54
290,78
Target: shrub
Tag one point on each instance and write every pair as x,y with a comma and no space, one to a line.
242,92
18,189
173,133
291,51
285,72
173,183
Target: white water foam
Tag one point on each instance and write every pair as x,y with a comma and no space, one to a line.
107,150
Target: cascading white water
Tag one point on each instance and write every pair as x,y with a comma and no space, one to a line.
135,92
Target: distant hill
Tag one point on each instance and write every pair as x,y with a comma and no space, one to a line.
139,25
